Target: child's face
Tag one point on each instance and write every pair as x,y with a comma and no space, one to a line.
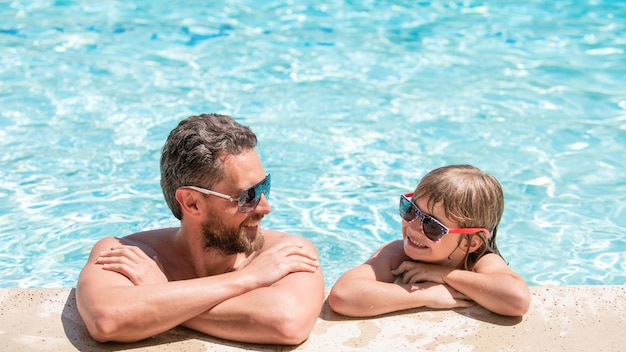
419,247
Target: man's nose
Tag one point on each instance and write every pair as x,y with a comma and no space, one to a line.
264,205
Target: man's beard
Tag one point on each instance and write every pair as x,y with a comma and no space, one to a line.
230,241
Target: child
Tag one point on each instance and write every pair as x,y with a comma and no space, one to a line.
447,256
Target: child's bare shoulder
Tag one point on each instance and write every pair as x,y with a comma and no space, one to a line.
391,253
490,262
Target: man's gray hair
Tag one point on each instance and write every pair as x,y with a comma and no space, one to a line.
194,152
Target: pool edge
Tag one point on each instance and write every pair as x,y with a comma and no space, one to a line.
573,318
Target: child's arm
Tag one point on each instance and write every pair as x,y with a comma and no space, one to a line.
368,289
491,283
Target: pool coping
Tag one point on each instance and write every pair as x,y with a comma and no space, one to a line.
572,318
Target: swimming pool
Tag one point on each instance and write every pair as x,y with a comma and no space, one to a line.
352,102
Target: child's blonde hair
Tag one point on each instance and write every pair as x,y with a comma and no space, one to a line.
470,197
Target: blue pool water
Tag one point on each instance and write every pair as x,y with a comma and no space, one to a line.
353,101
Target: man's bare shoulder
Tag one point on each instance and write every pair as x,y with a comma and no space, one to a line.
152,242
155,243
143,237
275,237
151,236
105,243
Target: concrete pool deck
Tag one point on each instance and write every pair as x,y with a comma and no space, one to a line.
561,318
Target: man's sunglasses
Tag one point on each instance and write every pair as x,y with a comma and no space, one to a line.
248,199
430,226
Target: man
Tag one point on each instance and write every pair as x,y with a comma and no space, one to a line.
218,273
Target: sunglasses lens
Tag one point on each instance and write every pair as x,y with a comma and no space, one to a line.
432,229
250,198
407,210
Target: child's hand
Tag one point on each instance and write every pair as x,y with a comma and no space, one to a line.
441,296
413,272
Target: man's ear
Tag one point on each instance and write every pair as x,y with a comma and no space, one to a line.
188,200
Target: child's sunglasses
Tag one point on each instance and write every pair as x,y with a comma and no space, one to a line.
430,226
249,197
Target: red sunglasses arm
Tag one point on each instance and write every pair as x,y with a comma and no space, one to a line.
470,230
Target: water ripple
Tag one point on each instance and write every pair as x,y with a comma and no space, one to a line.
352,102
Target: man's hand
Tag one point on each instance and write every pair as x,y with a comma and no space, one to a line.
276,262
133,263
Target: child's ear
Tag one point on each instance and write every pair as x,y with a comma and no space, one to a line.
474,242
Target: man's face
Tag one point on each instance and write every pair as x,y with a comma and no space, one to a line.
225,228
233,240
